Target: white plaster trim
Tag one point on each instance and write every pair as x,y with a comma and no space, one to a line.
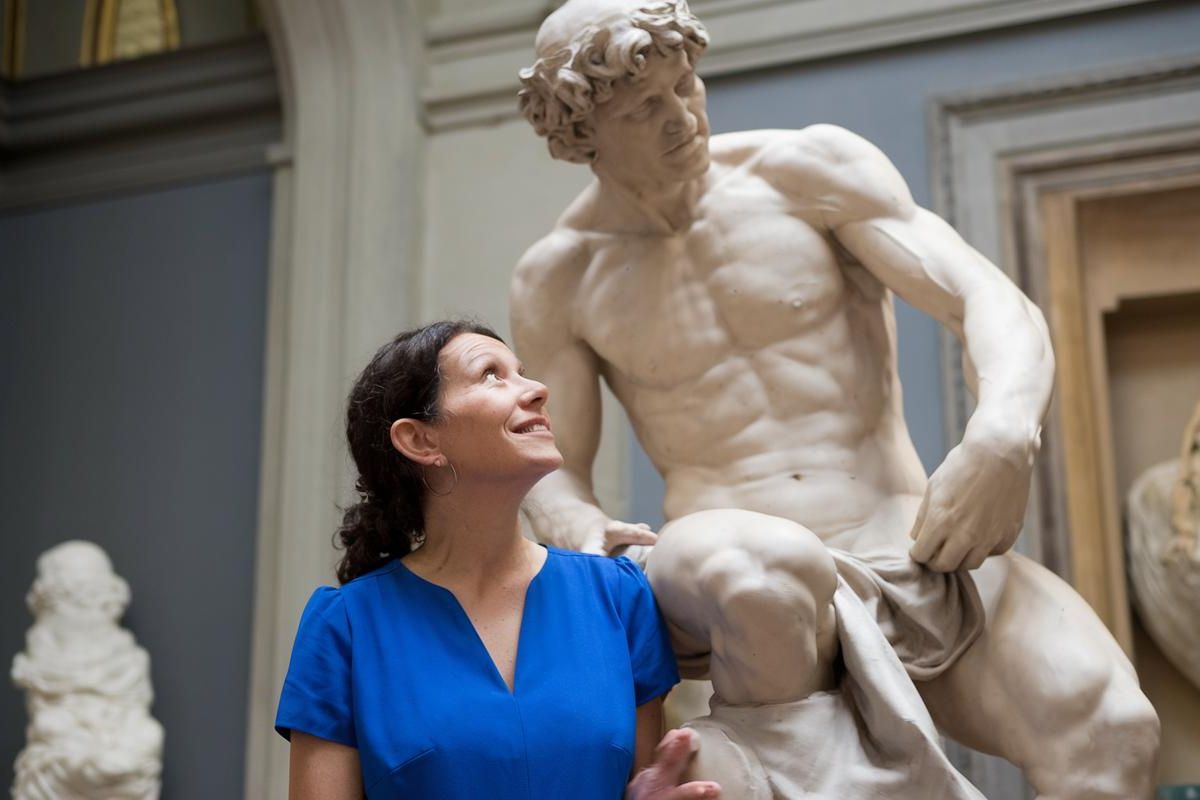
345,249
474,58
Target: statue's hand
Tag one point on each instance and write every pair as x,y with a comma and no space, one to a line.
615,538
661,780
974,505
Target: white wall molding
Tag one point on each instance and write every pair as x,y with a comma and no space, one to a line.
347,235
475,55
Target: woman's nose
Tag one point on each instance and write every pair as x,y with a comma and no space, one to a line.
536,394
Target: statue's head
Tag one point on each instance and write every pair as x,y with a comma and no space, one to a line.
614,86
75,580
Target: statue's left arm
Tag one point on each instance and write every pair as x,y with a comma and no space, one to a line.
975,501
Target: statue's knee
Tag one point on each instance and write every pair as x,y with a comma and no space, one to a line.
1110,756
1131,729
726,556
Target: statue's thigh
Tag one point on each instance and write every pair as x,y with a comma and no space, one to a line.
701,554
1044,671
709,555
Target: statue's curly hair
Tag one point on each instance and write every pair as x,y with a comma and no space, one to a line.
561,89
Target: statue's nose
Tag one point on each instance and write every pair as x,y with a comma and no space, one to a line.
679,119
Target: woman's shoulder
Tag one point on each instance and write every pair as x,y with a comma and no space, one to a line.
592,562
618,574
327,599
363,582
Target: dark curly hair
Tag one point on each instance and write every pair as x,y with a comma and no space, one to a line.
402,381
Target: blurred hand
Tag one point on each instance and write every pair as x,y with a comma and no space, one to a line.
661,780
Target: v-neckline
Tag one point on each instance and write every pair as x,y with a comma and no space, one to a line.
462,611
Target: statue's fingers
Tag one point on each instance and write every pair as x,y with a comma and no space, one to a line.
638,536
975,558
919,522
639,554
951,556
623,537
930,538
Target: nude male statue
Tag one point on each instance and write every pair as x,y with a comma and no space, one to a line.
735,294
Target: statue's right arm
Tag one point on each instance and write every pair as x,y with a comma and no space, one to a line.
323,770
562,508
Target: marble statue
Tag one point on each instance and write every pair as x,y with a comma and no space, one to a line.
90,734
1164,553
735,292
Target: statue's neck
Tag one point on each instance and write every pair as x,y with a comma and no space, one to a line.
664,209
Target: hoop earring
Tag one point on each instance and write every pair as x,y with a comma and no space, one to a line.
425,481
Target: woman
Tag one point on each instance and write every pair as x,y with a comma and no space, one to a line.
478,664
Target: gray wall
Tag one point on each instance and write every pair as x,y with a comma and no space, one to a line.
131,360
885,96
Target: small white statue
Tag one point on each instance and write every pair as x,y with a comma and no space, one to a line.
87,684
1164,553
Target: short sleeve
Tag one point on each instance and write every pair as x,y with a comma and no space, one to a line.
654,668
316,697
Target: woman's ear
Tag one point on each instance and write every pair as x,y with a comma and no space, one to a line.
417,441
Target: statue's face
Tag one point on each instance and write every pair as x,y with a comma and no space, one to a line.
654,128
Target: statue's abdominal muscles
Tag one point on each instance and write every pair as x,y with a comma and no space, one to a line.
756,364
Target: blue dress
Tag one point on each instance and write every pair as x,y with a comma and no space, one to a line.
391,664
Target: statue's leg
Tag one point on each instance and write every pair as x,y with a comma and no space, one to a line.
754,591
1047,687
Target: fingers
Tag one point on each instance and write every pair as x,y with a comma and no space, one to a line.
660,781
618,534
639,554
977,556
692,790
919,522
672,754
951,556
929,541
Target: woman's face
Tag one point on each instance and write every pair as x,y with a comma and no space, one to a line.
493,424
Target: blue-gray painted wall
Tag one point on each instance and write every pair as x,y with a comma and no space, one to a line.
131,370
885,96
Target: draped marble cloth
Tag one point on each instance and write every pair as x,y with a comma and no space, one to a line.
872,737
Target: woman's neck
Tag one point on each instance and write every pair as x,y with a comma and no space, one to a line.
472,537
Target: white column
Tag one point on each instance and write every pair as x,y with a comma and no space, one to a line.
345,252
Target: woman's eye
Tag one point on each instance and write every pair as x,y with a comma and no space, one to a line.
491,374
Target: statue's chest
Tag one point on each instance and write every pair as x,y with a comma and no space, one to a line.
665,310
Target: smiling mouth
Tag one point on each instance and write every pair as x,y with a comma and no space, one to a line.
533,427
